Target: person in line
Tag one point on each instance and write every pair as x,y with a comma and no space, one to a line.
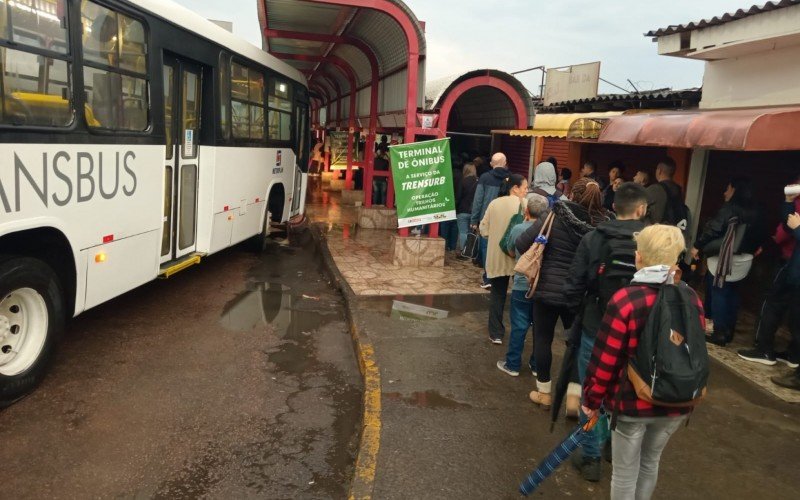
573,218
481,166
380,183
499,264
466,194
663,194
594,278
521,314
544,182
615,178
642,178
589,170
563,183
383,145
488,188
449,229
642,428
722,303
783,297
317,160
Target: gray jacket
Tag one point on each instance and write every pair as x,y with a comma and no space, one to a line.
488,188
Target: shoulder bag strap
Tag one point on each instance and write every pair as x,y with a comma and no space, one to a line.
548,225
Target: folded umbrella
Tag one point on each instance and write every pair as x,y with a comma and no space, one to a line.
556,457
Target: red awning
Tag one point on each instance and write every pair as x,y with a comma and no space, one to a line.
755,129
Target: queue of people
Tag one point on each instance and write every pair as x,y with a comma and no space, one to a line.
610,251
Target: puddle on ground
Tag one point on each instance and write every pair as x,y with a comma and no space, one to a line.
427,399
260,305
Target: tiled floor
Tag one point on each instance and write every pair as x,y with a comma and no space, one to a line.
363,257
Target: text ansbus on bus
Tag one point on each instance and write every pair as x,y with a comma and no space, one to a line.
130,147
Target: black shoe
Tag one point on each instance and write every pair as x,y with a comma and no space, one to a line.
757,356
791,381
717,338
590,467
787,360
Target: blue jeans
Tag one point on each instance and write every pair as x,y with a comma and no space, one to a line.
379,186
449,231
462,220
521,315
592,443
484,251
722,305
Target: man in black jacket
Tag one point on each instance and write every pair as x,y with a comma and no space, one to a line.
587,287
664,194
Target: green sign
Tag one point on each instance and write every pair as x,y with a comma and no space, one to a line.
423,182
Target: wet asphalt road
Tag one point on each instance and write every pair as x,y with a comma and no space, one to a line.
233,379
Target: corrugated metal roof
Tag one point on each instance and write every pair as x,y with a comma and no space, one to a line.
725,18
376,29
436,90
630,100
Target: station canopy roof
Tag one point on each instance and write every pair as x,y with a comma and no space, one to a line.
300,32
751,129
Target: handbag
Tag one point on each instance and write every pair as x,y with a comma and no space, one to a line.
470,250
516,219
740,266
530,263
735,266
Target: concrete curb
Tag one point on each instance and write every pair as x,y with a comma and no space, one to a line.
367,458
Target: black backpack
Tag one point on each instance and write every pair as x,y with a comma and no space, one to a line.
676,213
670,367
616,268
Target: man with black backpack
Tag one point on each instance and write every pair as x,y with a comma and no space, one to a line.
665,198
604,263
649,365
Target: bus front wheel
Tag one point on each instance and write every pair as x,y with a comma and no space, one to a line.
31,321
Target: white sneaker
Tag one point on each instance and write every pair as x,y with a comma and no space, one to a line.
486,285
501,365
495,340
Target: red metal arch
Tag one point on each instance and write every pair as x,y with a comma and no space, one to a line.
483,81
369,156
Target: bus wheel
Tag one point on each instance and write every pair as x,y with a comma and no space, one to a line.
31,320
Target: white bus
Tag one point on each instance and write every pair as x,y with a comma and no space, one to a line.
135,138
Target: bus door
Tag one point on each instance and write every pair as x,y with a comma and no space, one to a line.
182,101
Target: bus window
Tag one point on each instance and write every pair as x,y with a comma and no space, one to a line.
224,95
280,111
247,103
35,87
36,23
115,82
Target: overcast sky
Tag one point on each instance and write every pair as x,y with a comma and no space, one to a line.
517,34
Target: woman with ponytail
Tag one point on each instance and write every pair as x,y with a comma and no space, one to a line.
499,264
573,218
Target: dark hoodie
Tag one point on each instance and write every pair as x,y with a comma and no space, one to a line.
488,189
571,223
582,279
658,197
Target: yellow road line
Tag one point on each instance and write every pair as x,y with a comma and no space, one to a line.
367,460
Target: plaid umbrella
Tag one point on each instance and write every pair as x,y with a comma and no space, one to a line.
556,457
